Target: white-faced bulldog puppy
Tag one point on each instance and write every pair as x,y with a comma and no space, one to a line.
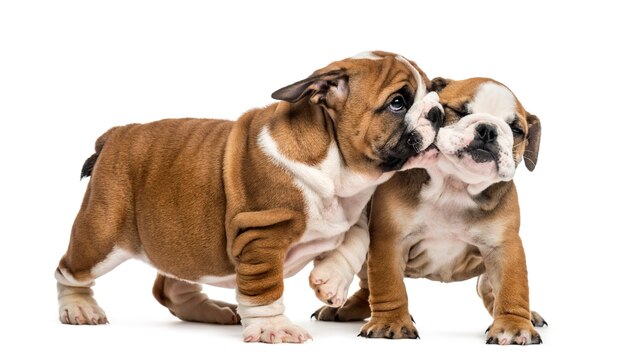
244,204
455,218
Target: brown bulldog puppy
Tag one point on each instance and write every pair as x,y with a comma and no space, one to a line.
455,219
244,204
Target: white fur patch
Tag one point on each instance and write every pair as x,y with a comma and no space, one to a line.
415,118
247,310
494,99
112,260
229,281
311,177
447,192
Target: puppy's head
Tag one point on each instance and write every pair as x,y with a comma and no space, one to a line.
486,131
377,102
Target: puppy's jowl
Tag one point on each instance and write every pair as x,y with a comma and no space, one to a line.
244,204
455,219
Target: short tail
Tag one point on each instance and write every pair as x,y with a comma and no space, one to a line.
91,161
88,166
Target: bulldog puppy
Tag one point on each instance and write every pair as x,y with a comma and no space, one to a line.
455,219
244,204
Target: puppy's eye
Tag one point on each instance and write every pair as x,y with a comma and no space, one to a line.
517,131
397,104
461,111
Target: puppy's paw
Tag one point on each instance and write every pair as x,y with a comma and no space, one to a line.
274,329
401,327
81,310
512,330
357,308
326,313
330,283
345,313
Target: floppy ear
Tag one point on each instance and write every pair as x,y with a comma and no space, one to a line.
327,89
534,136
437,84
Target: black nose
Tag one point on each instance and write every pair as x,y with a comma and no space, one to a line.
415,141
486,132
435,115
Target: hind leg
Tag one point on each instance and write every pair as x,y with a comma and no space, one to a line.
186,301
77,306
93,251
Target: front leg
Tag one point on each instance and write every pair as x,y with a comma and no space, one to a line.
260,254
334,271
356,308
386,264
505,266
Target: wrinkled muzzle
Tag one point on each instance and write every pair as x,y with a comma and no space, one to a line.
479,144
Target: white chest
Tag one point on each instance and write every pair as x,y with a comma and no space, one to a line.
440,235
329,217
334,197
440,232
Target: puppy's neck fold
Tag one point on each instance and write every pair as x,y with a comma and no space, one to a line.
448,189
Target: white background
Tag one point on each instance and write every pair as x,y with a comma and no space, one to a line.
71,70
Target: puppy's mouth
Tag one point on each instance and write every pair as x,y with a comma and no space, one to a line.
394,157
423,159
432,147
391,163
481,155
481,152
